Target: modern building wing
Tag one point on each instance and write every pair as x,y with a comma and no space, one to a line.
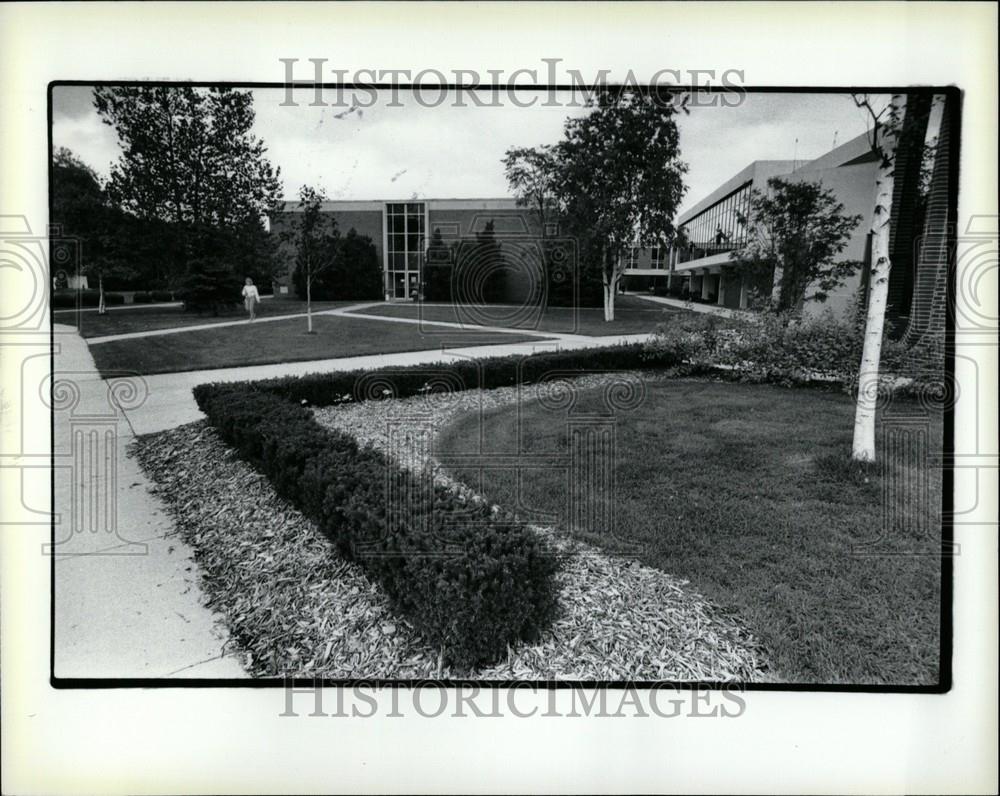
711,230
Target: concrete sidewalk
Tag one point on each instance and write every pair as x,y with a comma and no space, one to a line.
107,338
169,401
127,601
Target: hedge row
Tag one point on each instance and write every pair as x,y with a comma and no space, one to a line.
153,297
67,299
326,389
469,582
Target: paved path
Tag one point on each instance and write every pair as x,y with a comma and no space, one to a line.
694,306
353,313
107,338
127,601
170,403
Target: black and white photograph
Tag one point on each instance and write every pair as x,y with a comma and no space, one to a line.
645,386
546,390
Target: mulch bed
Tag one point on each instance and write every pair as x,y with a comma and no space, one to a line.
294,608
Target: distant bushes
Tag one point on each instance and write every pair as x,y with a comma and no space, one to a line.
67,299
469,582
152,297
353,271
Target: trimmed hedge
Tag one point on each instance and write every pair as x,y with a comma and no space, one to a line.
327,389
469,582
67,299
152,297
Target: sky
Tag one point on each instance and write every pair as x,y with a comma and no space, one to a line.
412,151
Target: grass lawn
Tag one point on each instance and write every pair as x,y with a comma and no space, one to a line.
137,319
748,492
632,316
276,341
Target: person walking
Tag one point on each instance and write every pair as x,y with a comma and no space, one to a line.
251,298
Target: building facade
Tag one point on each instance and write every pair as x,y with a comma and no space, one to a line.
402,230
712,230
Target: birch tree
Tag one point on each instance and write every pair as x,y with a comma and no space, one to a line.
886,129
619,178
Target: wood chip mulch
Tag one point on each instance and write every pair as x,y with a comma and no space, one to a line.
294,608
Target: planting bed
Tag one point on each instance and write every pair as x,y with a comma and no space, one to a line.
295,608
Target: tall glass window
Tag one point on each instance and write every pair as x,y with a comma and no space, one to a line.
717,229
404,248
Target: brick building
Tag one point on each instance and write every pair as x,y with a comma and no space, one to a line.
401,231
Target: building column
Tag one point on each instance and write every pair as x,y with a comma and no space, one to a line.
744,292
720,293
706,284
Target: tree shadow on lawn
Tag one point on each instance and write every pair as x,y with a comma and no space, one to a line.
748,491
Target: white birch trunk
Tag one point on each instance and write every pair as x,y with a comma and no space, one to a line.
609,300
100,298
878,293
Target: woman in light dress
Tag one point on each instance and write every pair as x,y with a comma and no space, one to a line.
251,298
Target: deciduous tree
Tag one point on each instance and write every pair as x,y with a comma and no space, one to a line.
887,125
619,178
189,157
81,209
795,233
531,176
316,239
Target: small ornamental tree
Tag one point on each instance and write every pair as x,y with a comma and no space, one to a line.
619,179
316,239
795,233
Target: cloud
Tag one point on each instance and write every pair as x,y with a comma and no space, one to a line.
383,152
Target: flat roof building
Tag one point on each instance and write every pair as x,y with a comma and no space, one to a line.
712,230
401,229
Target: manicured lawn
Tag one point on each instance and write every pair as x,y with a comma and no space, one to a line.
632,316
276,341
747,491
138,319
